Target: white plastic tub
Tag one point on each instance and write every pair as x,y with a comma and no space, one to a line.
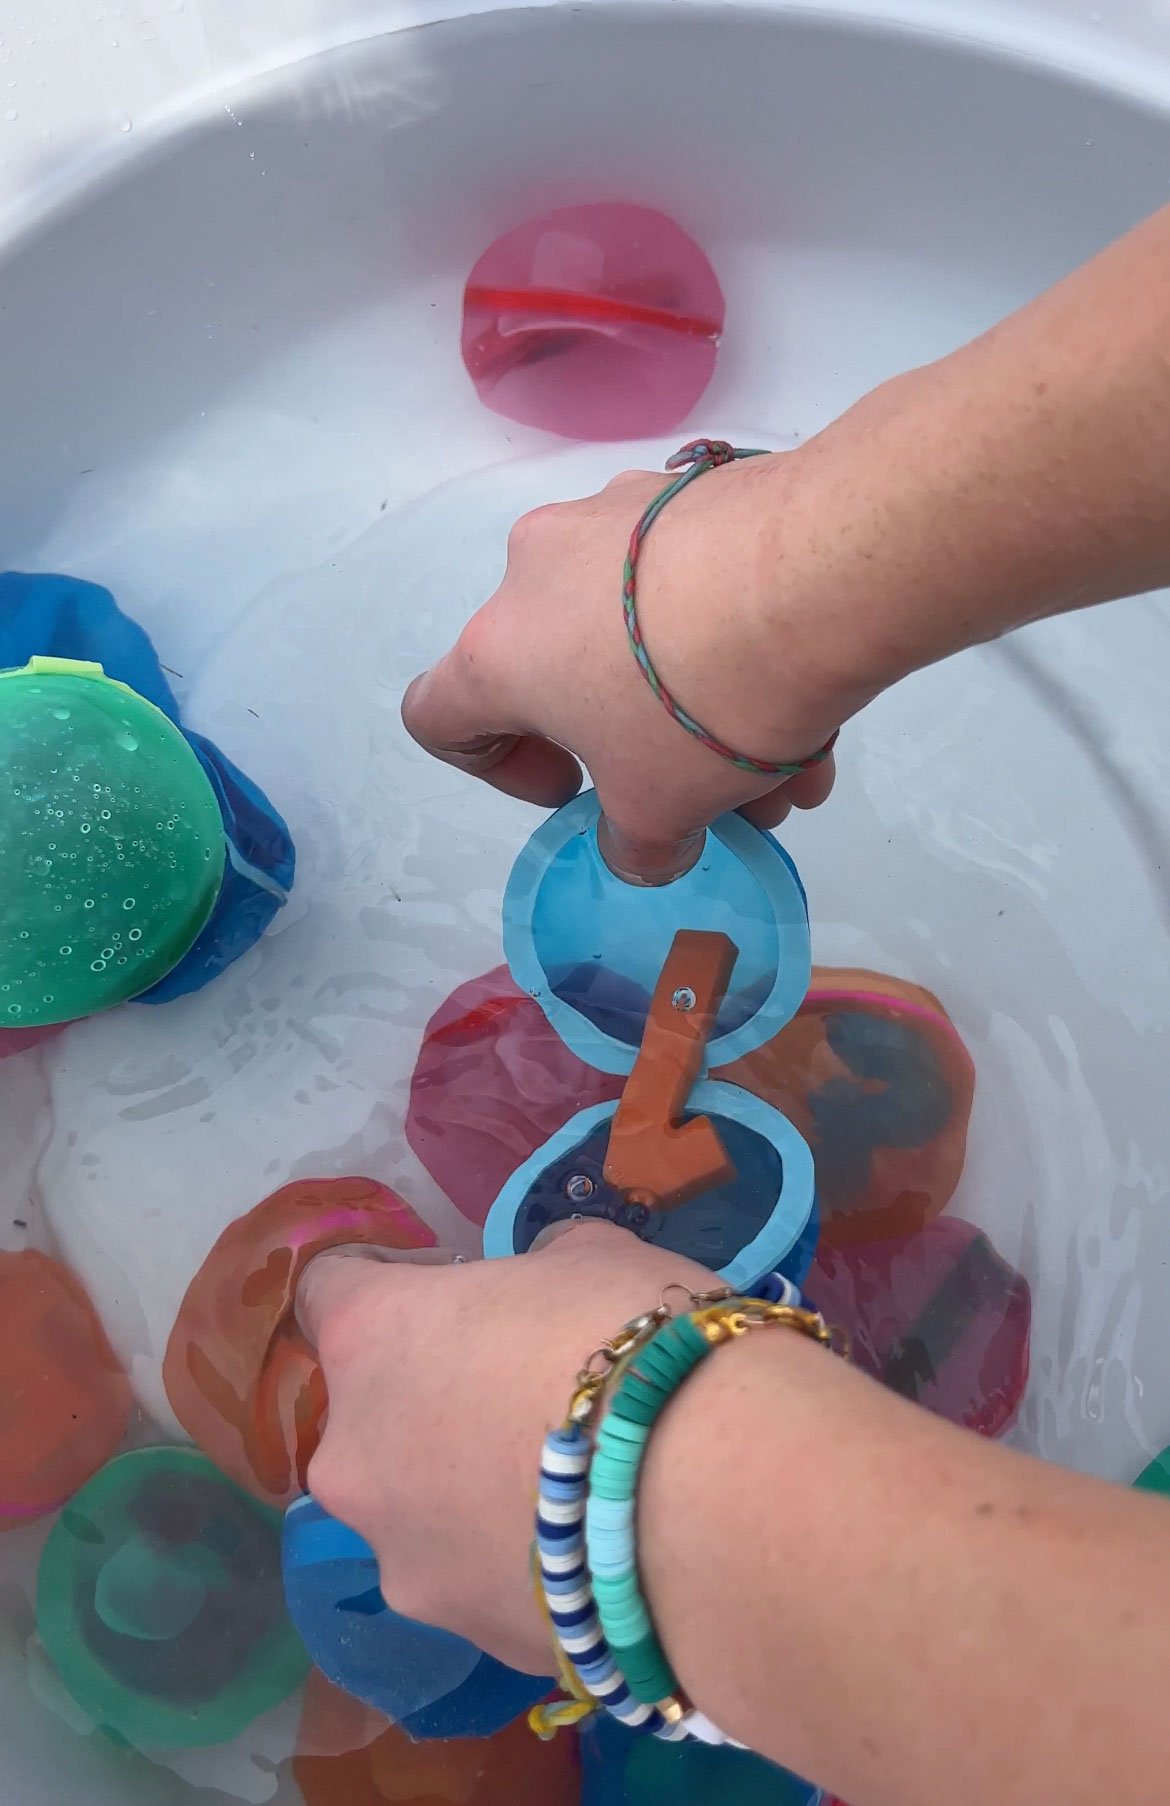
230,389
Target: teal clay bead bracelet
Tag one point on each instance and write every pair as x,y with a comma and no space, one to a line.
649,1380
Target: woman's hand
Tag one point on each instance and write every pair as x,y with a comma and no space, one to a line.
543,678
1022,475
443,1382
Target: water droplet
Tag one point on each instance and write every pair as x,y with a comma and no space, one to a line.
14,1009
127,741
127,902
136,934
105,815
85,827
107,953
11,115
97,965
60,714
65,951
89,903
125,123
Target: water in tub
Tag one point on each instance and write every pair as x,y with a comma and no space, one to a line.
301,540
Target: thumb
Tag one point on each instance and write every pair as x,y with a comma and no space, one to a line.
441,715
345,1276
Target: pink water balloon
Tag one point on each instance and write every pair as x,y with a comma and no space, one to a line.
597,322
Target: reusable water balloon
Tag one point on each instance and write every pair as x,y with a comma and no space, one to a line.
589,947
704,1169
938,1316
111,844
160,1604
660,983
873,1073
432,1684
245,1382
348,1755
595,322
493,1081
240,1376
48,618
64,1400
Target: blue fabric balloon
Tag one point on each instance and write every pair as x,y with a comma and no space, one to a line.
433,1684
62,617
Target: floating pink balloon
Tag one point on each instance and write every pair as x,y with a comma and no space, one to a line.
595,322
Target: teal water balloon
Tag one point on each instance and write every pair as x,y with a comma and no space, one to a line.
111,844
161,1606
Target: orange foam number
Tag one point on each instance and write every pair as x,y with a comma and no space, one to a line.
64,1400
655,1157
350,1756
241,1378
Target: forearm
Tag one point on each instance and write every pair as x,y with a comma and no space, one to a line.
1025,474
895,1606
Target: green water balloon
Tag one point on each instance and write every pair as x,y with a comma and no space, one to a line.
160,1602
111,844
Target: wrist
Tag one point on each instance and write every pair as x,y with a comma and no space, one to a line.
864,571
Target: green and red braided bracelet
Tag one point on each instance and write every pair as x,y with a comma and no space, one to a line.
693,461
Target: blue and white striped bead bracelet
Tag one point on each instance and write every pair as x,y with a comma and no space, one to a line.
568,1591
650,1378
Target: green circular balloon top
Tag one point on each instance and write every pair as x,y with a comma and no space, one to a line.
160,1602
111,844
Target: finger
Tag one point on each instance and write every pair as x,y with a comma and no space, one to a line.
439,715
646,862
553,1233
809,788
328,1284
343,1276
769,810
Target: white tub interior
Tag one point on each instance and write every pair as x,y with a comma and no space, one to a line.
231,390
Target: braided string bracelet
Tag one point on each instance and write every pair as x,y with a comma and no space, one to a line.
693,460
